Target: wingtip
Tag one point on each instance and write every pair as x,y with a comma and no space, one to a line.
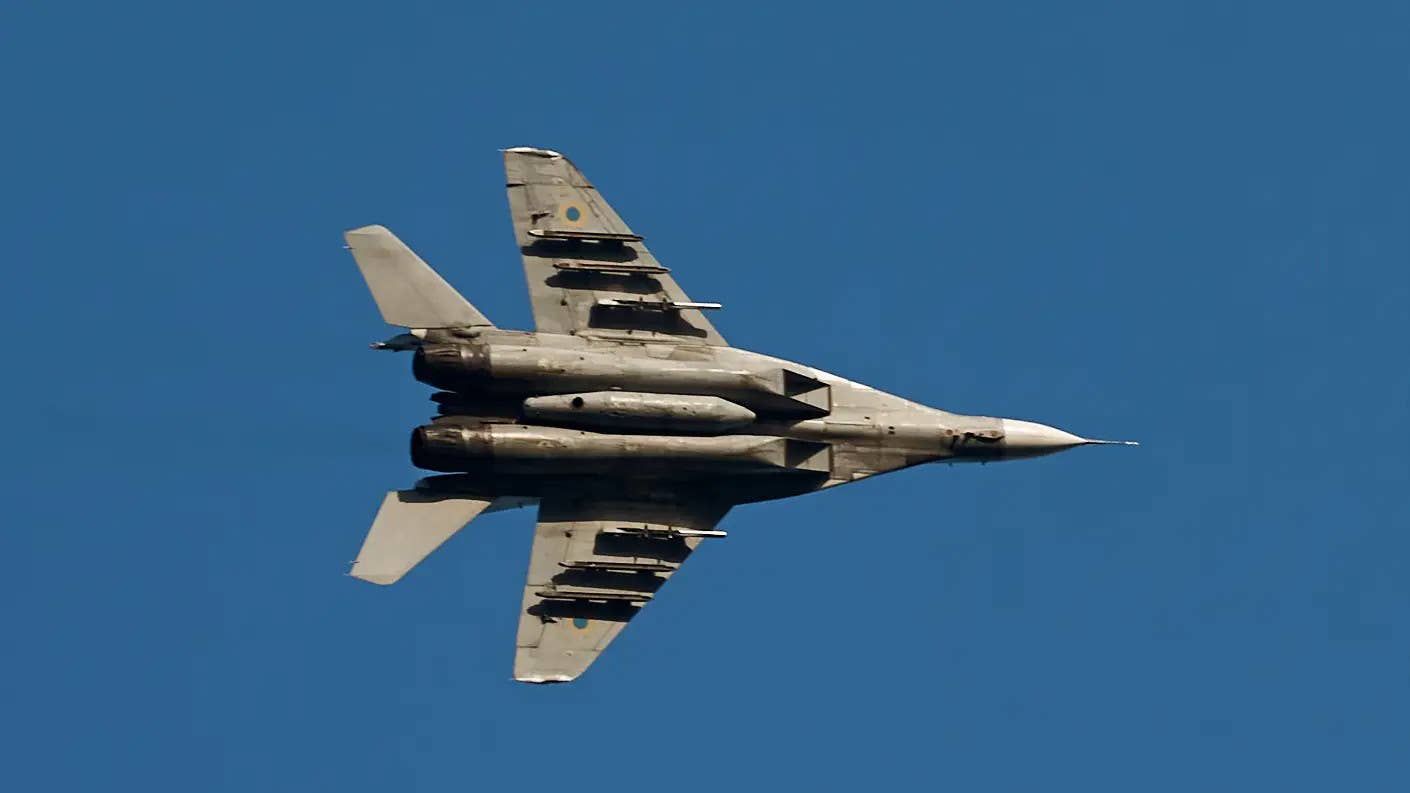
380,579
543,679
532,150
364,231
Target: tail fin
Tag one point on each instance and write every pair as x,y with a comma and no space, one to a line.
408,292
408,528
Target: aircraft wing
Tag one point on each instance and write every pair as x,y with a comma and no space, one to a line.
588,272
593,566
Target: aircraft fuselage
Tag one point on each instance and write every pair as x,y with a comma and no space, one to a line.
553,409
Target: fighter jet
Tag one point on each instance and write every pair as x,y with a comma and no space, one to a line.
625,416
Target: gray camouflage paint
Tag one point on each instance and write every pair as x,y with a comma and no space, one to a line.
625,416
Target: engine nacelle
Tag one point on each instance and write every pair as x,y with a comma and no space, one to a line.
515,448
504,368
453,367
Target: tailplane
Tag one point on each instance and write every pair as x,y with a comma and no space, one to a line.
408,292
411,525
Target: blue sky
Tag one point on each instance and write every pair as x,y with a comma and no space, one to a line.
1183,223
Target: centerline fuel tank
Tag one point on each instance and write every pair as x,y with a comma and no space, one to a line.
640,412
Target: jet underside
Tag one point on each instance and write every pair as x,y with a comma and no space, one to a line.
526,414
626,417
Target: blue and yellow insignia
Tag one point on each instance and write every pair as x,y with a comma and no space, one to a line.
581,623
572,214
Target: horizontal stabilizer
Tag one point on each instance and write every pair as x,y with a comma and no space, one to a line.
408,292
410,525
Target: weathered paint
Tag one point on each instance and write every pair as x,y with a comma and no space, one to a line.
625,415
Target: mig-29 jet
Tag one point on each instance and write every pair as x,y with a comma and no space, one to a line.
625,416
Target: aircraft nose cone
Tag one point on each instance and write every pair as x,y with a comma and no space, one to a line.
1031,439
